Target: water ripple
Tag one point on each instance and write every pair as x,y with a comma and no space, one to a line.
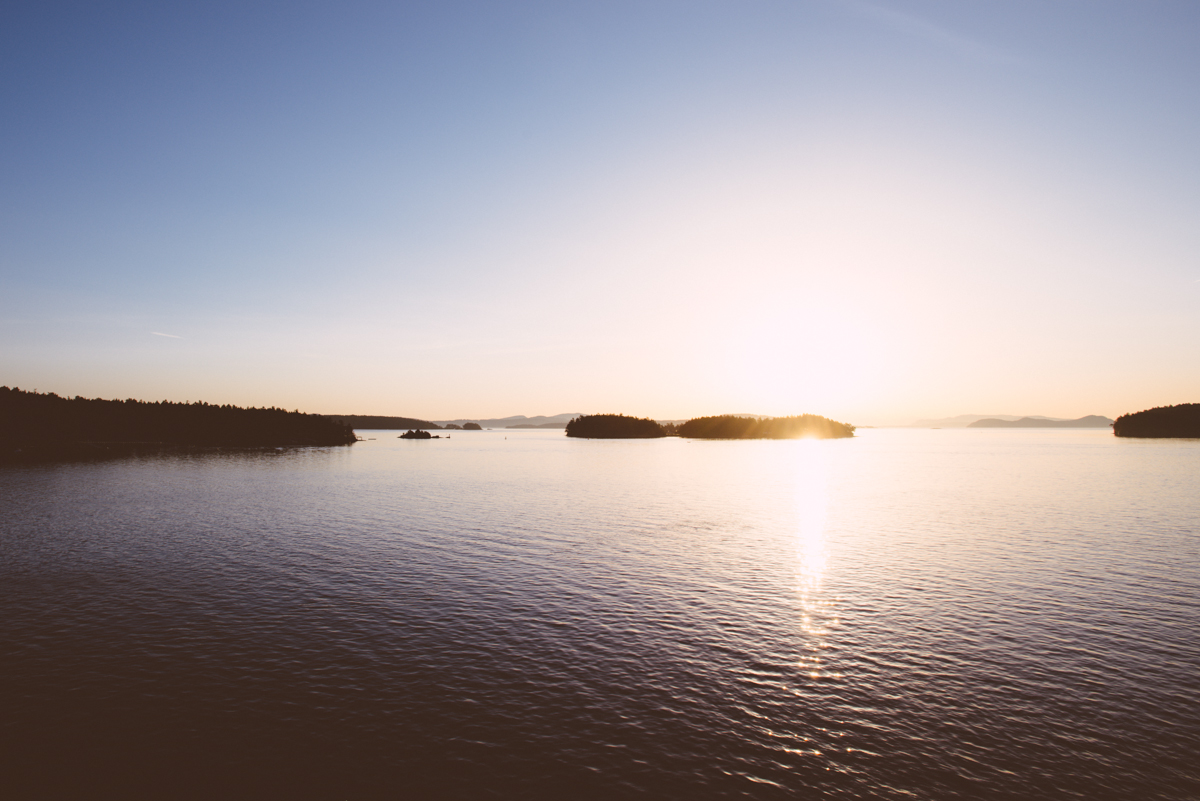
929,615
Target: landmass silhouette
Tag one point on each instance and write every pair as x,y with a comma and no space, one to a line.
734,427
558,421
614,426
382,422
619,426
44,425
1182,420
1091,421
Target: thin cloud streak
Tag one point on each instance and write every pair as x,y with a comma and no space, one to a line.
916,26
172,336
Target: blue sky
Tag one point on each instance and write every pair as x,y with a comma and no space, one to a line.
874,211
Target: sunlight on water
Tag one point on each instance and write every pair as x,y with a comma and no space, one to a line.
906,614
818,615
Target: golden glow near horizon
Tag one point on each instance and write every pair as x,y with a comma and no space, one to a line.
810,352
826,213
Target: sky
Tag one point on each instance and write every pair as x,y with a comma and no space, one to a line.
872,211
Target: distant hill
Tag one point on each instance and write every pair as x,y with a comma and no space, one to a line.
964,420
1091,421
554,421
381,422
1162,421
387,422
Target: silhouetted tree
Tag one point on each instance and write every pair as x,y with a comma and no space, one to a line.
28,418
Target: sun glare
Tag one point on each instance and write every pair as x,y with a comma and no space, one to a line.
817,613
811,360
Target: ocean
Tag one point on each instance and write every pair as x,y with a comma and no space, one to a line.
909,614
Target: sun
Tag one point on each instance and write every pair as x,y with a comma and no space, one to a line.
812,358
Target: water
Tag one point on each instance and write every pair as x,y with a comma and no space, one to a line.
908,614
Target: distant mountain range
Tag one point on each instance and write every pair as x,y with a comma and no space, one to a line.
518,421
380,422
539,425
559,421
369,421
966,420
963,420
1091,421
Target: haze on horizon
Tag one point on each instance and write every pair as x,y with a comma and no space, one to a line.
875,212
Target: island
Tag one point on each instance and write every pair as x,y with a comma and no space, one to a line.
36,426
418,435
1182,420
614,426
735,427
727,426
1091,421
472,427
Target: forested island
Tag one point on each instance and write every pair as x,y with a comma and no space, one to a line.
619,426
614,426
734,427
44,425
1182,420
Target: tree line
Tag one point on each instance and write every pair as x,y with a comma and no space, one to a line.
29,418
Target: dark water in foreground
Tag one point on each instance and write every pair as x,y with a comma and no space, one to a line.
909,614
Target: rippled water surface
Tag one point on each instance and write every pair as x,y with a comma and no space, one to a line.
908,614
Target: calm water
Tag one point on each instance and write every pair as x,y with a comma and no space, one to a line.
908,614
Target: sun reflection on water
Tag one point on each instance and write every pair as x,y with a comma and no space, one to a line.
818,615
